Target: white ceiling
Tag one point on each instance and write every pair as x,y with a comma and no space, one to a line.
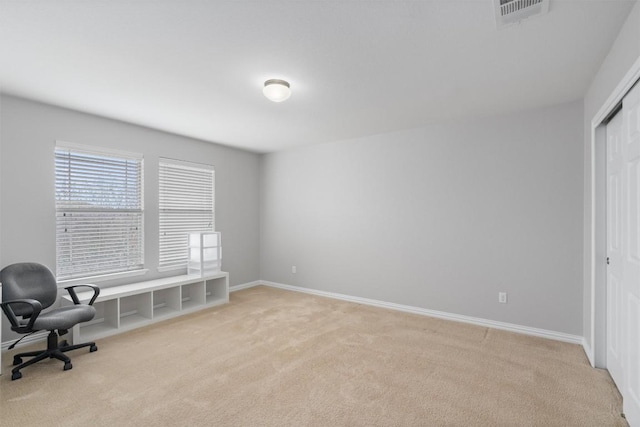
356,68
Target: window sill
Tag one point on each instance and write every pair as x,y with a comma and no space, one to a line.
102,277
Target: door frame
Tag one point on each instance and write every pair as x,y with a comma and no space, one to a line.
596,261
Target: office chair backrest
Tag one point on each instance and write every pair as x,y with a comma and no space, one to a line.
28,280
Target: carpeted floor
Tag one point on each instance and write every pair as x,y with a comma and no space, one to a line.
278,358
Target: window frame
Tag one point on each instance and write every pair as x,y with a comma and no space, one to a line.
136,265
201,168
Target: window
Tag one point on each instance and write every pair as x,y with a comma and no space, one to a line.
186,204
99,208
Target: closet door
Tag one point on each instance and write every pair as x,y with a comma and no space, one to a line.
623,252
631,260
615,251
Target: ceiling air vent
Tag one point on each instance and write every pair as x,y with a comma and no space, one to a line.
513,11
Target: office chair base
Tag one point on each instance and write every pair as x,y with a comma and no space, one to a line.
53,351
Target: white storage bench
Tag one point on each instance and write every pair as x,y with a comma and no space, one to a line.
126,307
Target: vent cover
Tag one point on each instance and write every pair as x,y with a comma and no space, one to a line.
513,11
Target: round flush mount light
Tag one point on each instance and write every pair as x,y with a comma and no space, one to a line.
277,90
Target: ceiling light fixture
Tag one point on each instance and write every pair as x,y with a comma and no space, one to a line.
276,90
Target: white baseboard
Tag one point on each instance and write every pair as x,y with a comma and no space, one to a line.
244,286
37,337
511,327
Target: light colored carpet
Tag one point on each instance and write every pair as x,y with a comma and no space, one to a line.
278,358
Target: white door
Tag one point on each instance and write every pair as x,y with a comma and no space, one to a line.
615,339
631,262
623,250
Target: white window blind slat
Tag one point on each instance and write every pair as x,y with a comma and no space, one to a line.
99,212
187,204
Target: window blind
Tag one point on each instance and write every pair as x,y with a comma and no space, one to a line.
187,204
99,212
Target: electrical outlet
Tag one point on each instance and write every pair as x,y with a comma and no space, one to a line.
293,269
502,297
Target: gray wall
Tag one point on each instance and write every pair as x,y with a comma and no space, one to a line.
624,52
443,217
28,133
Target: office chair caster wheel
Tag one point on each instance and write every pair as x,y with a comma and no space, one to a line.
67,366
16,375
93,348
16,361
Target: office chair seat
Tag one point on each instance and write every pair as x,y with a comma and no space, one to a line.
29,288
64,317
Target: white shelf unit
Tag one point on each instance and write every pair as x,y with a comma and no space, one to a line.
126,307
205,253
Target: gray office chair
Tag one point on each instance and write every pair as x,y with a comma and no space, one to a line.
29,288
